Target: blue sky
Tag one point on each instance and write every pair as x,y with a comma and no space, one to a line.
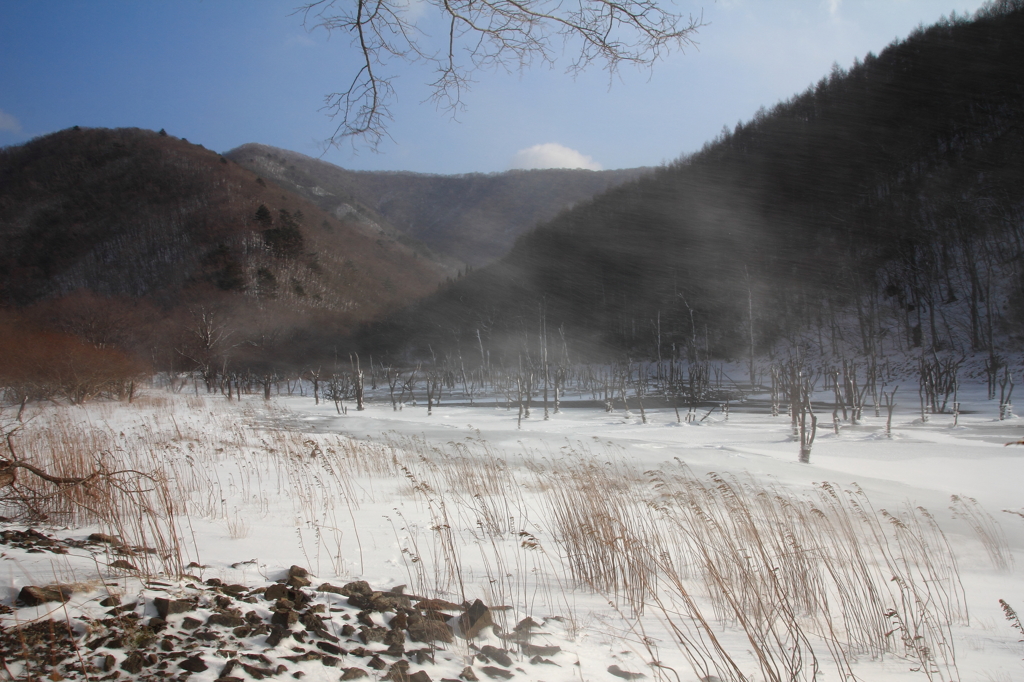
226,72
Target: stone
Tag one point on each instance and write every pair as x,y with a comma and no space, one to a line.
298,577
105,539
374,634
277,591
538,650
475,619
624,674
377,663
225,620
285,618
526,624
167,607
468,675
123,565
193,664
134,663
497,655
190,623
419,676
235,590
112,600
332,649
32,595
277,634
379,601
430,631
400,621
353,673
333,589
496,673
437,605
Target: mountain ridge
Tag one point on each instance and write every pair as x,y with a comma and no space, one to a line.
470,218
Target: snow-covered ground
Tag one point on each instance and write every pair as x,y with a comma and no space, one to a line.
465,504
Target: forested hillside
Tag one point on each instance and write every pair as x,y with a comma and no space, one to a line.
469,219
883,206
140,241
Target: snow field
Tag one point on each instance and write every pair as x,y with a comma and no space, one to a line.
669,549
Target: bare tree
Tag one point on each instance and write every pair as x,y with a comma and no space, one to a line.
473,35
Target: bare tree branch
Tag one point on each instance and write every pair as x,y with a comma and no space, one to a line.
511,35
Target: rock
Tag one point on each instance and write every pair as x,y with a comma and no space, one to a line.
468,675
372,634
315,624
419,676
624,674
332,649
193,664
353,674
526,624
277,591
285,618
235,590
475,619
498,655
105,539
190,623
358,593
258,673
225,620
398,672
133,663
112,600
277,634
425,630
123,565
379,601
437,605
32,595
298,581
377,663
496,673
537,650
166,607
333,589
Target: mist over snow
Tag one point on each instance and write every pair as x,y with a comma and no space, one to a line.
552,155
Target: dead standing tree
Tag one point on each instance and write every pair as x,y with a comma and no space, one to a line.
204,344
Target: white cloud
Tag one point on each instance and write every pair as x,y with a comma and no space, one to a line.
8,123
552,155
